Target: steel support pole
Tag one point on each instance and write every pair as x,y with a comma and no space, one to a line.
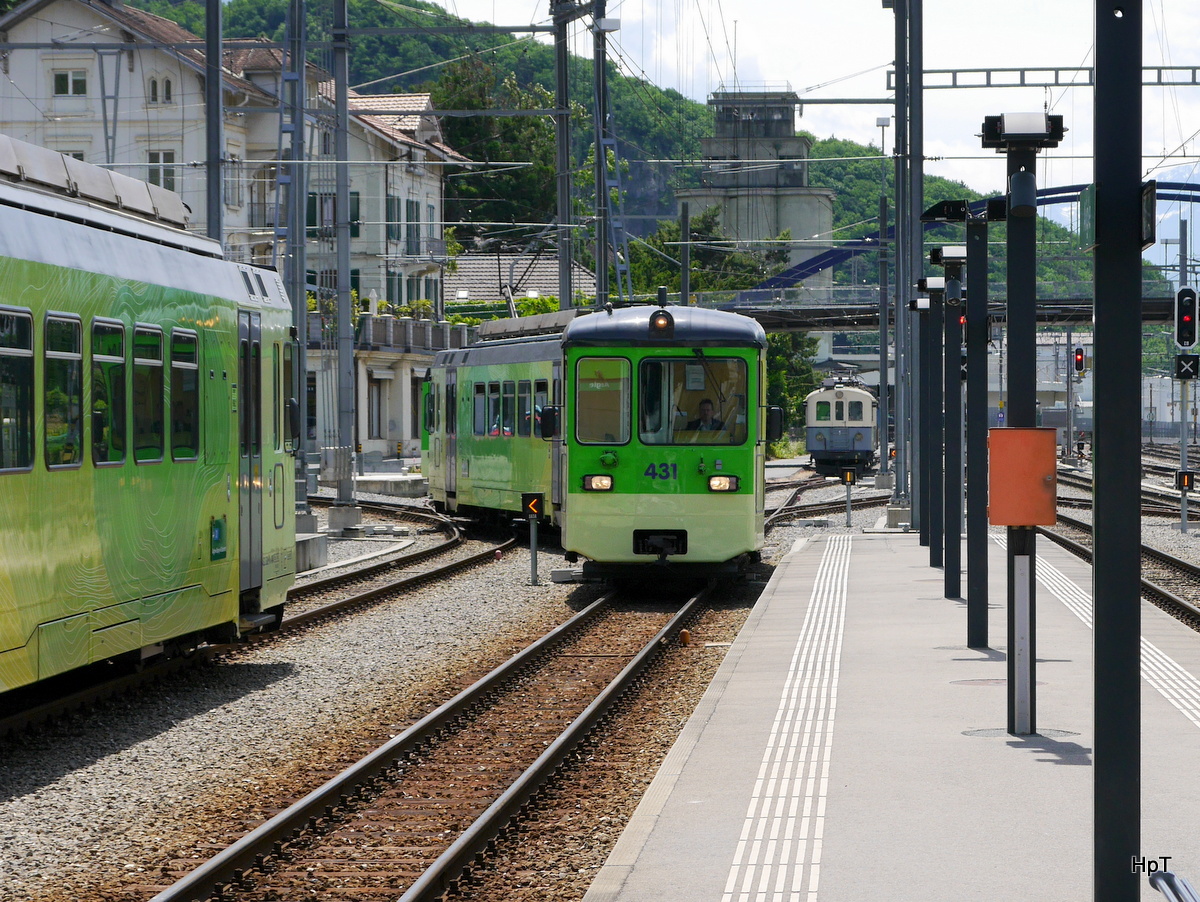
916,192
1183,386
952,471
685,254
921,434
562,161
295,273
215,122
1022,412
600,102
345,353
977,424
901,496
883,337
936,418
1116,631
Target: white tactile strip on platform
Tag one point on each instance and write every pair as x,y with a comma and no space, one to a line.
1172,680
778,856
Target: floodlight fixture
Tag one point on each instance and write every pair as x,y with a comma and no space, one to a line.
1022,130
931,283
947,256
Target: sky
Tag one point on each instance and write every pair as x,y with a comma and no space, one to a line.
843,49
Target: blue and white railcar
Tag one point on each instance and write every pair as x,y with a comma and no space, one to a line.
840,430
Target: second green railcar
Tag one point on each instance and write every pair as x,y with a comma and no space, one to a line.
644,427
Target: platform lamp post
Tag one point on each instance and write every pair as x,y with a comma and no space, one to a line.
1020,136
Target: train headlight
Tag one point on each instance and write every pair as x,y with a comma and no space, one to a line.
722,483
602,483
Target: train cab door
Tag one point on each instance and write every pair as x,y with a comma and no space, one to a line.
451,421
557,446
250,480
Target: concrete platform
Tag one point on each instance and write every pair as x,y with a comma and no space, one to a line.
852,747
401,485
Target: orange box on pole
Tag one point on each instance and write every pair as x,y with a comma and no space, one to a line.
1022,476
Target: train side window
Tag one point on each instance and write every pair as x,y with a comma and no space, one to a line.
277,408
16,391
108,393
185,396
63,395
602,400
524,411
493,414
541,398
823,410
480,411
148,404
856,411
508,408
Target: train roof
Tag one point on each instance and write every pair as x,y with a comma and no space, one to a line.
57,184
692,327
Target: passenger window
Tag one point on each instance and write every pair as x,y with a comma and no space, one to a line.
63,398
480,411
493,414
108,393
541,398
524,411
839,412
185,396
508,409
822,411
602,400
16,391
148,404
856,411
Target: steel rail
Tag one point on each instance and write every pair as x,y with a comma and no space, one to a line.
246,852
380,592
439,877
1149,588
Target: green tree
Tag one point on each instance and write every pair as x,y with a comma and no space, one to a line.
790,374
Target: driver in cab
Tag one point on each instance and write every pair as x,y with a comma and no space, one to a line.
706,421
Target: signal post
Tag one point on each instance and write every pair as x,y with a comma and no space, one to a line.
1186,365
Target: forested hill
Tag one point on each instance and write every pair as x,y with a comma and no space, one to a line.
513,71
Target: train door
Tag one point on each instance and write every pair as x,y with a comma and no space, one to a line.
557,447
451,421
250,449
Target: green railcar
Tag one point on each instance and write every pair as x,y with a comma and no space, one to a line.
146,477
656,425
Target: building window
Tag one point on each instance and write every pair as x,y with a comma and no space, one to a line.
154,90
161,170
166,90
233,181
70,83
374,408
412,232
394,222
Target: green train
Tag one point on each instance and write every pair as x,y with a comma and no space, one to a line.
146,425
644,428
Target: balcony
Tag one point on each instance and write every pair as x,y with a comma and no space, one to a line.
400,335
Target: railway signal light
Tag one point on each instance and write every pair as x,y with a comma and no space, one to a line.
849,476
1079,360
1185,480
1185,318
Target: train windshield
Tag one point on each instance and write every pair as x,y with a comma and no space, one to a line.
692,400
602,400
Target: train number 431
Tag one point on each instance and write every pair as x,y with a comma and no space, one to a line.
662,471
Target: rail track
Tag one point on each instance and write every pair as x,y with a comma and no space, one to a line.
1169,582
318,600
411,815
